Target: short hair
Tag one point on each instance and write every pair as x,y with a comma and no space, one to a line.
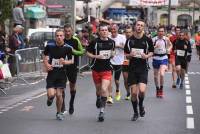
68,26
161,27
102,25
59,30
177,27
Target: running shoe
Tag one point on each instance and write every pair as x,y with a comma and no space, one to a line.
181,86
135,117
117,96
110,100
101,117
71,109
98,102
142,111
49,102
157,93
59,116
161,94
128,97
173,86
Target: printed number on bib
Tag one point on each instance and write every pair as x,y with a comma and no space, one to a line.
180,53
105,53
137,52
56,63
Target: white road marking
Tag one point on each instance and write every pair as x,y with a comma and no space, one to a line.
190,123
186,78
187,86
40,95
188,92
186,75
1,112
189,109
188,99
4,110
187,82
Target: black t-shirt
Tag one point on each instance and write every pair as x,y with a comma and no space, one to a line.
179,47
142,45
55,53
73,42
98,47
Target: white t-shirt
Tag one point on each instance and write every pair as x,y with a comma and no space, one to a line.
118,59
161,49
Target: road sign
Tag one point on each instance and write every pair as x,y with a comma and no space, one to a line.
53,22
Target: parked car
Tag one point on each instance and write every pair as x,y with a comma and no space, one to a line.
39,37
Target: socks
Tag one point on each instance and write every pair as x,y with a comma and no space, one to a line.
134,104
141,99
73,94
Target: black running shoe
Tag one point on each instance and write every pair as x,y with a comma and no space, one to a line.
135,117
142,111
98,102
71,109
49,102
101,117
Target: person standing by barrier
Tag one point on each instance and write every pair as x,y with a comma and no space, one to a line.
56,55
101,50
116,61
18,15
128,34
162,46
72,70
138,49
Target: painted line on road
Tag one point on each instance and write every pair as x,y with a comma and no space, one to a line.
188,99
187,86
187,82
189,109
188,92
190,123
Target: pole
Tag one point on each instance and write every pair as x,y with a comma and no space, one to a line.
169,12
193,15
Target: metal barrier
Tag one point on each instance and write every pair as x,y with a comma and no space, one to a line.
28,63
83,62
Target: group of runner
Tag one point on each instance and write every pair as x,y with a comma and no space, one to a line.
110,55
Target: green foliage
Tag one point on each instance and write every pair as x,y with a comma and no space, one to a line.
6,10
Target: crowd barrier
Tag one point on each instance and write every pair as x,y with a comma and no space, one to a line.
83,62
28,63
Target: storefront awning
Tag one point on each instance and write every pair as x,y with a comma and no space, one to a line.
35,12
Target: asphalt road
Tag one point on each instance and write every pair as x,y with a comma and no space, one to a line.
174,114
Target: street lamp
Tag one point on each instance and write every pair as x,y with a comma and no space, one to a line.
169,12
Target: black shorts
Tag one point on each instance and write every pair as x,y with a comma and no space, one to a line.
71,74
117,69
182,62
137,77
124,68
56,79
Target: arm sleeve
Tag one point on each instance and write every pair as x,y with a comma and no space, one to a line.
80,50
151,47
46,50
90,48
126,48
189,47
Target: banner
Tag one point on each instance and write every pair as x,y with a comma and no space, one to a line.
153,2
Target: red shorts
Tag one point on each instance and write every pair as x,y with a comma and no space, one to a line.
99,76
172,59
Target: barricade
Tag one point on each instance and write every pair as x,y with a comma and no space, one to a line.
83,62
28,63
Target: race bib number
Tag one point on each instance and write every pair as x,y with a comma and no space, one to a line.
137,52
105,53
56,63
180,52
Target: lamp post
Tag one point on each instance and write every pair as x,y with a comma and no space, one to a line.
193,15
169,12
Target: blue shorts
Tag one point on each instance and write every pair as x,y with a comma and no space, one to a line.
156,63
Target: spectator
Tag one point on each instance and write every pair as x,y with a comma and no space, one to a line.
18,16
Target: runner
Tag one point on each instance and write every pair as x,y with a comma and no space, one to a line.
181,47
138,49
116,61
197,42
172,66
128,34
162,46
72,69
56,55
101,50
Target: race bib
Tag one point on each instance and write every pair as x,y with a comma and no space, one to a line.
56,63
137,52
180,52
105,53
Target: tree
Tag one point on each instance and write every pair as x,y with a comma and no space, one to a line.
5,10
